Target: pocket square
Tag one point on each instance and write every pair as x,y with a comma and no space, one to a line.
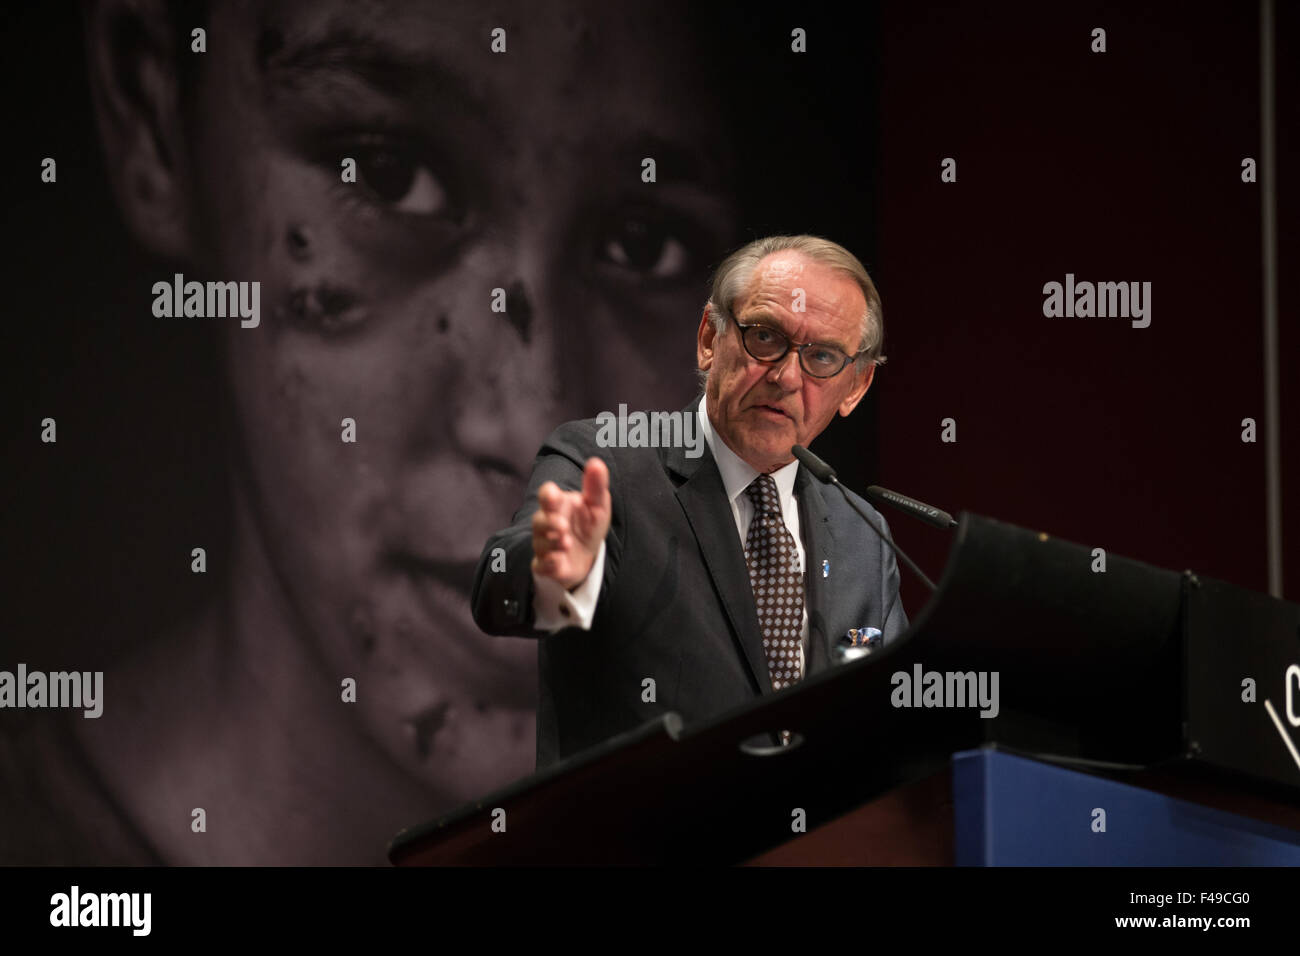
864,636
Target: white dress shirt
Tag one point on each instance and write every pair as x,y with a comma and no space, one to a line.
554,608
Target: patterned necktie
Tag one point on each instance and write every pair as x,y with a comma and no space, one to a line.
778,584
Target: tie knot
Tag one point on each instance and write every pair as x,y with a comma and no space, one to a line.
762,491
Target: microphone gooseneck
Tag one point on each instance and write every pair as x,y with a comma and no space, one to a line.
826,474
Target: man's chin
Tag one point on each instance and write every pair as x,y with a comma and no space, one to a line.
774,446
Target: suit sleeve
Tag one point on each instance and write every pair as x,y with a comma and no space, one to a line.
502,598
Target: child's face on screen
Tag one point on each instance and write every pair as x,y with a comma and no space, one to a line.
475,171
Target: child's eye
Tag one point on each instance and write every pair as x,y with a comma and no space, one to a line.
394,176
646,247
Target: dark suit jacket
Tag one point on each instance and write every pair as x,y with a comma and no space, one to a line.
675,603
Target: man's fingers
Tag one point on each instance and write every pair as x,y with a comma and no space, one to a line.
553,530
554,564
551,536
549,496
565,520
595,485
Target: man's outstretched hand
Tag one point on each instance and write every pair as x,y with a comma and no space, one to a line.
569,526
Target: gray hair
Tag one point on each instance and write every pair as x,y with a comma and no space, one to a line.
733,277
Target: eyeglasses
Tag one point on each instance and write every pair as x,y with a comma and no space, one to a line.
768,345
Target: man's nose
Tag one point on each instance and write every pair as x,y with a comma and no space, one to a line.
787,372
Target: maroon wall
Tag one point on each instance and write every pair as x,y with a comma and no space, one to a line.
1115,166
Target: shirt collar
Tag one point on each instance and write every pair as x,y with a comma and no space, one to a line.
738,474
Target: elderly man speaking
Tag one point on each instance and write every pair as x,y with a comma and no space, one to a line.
723,576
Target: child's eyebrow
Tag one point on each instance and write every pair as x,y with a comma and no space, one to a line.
676,159
397,70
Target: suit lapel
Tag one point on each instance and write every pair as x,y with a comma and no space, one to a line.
704,500
819,549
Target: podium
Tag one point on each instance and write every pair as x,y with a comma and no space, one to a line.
1183,689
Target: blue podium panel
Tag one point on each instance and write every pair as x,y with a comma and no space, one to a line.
1012,811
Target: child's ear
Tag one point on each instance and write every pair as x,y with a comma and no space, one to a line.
132,64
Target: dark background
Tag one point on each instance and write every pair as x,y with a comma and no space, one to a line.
1122,166
1117,166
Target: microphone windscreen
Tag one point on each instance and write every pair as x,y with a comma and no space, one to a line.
820,470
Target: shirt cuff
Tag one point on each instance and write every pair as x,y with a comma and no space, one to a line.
554,608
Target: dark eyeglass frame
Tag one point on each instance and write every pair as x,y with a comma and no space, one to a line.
790,344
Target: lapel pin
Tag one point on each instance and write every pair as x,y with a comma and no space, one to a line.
826,569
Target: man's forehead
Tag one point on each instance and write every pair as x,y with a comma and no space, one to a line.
780,266
780,275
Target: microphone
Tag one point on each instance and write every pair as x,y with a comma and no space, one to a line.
826,474
917,509
820,470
